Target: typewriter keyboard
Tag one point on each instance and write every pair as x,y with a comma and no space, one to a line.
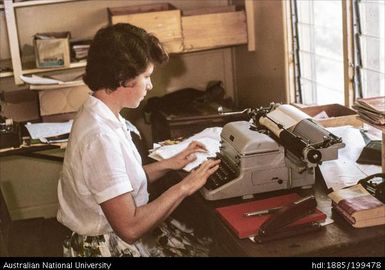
225,173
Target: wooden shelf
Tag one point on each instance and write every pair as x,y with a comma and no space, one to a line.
41,70
238,34
6,74
40,2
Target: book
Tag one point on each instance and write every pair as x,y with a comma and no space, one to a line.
357,206
247,226
361,223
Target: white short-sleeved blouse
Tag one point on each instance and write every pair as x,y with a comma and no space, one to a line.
100,163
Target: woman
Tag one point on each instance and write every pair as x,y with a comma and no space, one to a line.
102,192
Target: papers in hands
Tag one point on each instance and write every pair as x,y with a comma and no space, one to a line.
210,138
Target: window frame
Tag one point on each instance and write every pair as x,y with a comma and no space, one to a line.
293,69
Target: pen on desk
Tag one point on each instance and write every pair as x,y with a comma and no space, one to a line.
262,212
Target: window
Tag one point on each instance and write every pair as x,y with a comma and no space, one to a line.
369,40
318,43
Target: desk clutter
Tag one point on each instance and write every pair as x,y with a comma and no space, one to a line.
259,155
277,149
273,218
15,136
50,132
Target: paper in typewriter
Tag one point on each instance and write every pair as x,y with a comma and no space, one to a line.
287,115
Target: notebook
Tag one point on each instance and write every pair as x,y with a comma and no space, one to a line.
245,227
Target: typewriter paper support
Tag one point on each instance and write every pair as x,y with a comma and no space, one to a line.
279,148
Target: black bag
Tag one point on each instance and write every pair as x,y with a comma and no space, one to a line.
184,101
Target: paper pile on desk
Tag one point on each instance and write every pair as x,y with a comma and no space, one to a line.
50,132
210,137
345,171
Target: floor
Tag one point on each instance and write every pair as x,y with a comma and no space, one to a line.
37,237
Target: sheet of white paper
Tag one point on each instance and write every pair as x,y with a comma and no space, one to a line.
345,171
340,173
38,80
44,130
287,115
210,137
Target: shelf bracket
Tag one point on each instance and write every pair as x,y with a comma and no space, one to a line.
250,17
13,40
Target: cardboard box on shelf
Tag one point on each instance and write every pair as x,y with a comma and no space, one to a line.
52,49
223,26
182,31
163,20
332,115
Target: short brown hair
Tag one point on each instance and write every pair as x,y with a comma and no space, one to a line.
119,53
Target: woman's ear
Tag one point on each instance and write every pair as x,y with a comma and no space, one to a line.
129,84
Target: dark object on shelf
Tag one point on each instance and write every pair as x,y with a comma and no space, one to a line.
188,111
9,135
79,48
375,185
371,153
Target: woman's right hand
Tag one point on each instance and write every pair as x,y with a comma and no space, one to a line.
198,177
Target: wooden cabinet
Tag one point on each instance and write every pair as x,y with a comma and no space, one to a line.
29,185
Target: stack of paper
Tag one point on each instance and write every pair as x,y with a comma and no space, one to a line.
371,109
40,83
50,132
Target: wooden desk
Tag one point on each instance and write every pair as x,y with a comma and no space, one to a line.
336,239
33,151
28,180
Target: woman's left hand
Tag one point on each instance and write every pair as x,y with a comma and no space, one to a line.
180,160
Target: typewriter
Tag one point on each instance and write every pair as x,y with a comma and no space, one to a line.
279,148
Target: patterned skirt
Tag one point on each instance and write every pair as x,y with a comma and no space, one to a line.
170,239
